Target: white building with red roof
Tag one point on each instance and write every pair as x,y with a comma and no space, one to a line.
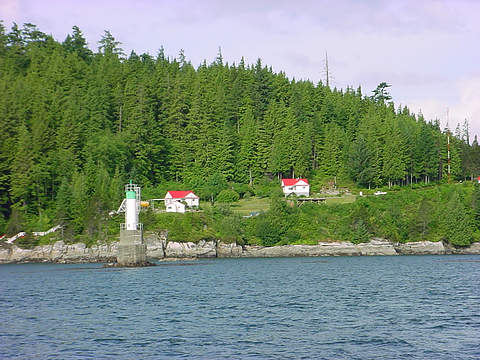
299,187
177,201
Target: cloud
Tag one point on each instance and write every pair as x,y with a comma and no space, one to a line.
467,106
10,10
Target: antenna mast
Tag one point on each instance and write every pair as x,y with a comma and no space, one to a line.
448,148
326,69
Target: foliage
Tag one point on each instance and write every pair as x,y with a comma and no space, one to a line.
409,215
242,189
78,124
228,196
456,224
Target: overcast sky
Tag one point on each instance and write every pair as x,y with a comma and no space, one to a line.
428,50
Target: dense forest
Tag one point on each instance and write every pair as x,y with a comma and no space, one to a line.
77,124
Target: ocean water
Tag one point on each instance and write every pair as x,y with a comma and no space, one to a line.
405,307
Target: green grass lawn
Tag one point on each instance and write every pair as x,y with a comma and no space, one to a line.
344,199
246,206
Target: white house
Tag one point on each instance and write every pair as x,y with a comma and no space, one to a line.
299,187
176,206
177,201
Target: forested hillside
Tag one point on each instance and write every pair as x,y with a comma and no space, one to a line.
76,124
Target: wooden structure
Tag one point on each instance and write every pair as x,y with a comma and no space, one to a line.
301,201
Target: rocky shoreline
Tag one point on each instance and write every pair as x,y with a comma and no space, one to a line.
158,248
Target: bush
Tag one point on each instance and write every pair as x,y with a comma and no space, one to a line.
267,231
228,196
276,193
27,242
241,189
230,230
265,187
360,233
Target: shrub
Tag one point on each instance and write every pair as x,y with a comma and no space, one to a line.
264,188
360,233
267,231
241,189
230,229
27,242
228,196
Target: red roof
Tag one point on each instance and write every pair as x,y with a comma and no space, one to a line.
292,182
180,194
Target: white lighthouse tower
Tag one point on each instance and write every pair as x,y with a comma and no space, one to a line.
132,207
131,249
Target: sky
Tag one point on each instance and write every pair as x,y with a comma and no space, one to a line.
427,50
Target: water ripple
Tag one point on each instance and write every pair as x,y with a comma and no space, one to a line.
334,308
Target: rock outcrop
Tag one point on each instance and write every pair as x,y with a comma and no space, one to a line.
202,249
156,243
374,247
421,248
473,249
158,247
60,252
229,250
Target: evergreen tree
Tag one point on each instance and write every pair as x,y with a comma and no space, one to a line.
78,44
476,205
75,125
456,223
360,167
109,46
394,165
380,94
248,142
21,183
332,151
420,225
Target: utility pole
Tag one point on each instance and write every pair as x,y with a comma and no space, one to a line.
448,152
326,69
448,149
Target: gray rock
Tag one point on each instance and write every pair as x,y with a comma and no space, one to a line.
158,247
60,252
202,249
375,247
156,243
228,250
420,248
473,249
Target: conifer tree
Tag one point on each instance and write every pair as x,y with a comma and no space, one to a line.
456,222
21,180
394,154
248,143
76,124
78,44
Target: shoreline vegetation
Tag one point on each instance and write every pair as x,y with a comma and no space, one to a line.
440,219
78,124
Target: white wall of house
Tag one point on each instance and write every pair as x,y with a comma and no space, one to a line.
169,199
175,206
299,189
287,190
191,200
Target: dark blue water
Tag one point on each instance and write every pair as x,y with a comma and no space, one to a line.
409,307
